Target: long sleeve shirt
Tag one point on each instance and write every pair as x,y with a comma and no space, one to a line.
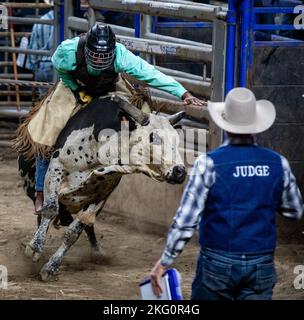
64,61
193,201
41,39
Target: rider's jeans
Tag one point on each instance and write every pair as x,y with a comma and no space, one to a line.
41,169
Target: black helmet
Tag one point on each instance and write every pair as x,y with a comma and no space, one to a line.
100,47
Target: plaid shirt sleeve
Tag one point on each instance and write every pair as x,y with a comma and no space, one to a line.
191,207
41,39
292,203
32,59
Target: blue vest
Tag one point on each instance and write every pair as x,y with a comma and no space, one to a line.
240,210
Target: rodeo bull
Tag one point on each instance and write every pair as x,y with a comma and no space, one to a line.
100,143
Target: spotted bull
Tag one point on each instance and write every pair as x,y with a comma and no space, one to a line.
99,144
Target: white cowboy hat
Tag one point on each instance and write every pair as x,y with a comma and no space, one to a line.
241,113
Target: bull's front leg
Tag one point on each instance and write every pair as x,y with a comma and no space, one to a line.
50,209
34,249
72,233
52,183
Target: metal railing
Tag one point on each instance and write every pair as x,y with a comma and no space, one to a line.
17,91
243,19
10,48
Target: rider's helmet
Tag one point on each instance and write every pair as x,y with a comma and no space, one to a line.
100,47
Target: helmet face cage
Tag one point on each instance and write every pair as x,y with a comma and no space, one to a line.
99,60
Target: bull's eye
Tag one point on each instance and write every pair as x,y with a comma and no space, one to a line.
155,138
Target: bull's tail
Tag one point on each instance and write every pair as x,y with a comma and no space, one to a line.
23,143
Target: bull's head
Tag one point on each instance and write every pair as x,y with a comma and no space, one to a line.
153,145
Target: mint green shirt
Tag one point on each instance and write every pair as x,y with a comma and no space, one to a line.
64,61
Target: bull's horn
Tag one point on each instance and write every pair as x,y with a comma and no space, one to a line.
174,118
139,116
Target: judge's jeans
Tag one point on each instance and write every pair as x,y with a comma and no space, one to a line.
229,276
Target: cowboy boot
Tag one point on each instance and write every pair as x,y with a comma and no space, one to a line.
39,202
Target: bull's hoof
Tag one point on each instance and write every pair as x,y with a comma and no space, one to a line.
96,255
46,275
32,254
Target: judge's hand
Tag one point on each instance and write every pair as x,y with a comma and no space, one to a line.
156,278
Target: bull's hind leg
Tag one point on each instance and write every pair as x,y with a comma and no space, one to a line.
72,233
96,254
95,209
34,249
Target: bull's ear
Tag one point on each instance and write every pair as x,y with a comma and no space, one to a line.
174,118
177,126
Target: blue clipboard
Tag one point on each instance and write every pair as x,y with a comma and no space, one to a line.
171,281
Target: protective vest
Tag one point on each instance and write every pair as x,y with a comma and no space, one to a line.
239,214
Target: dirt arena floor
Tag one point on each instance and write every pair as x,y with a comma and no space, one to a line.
129,254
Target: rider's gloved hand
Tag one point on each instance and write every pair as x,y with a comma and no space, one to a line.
82,97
